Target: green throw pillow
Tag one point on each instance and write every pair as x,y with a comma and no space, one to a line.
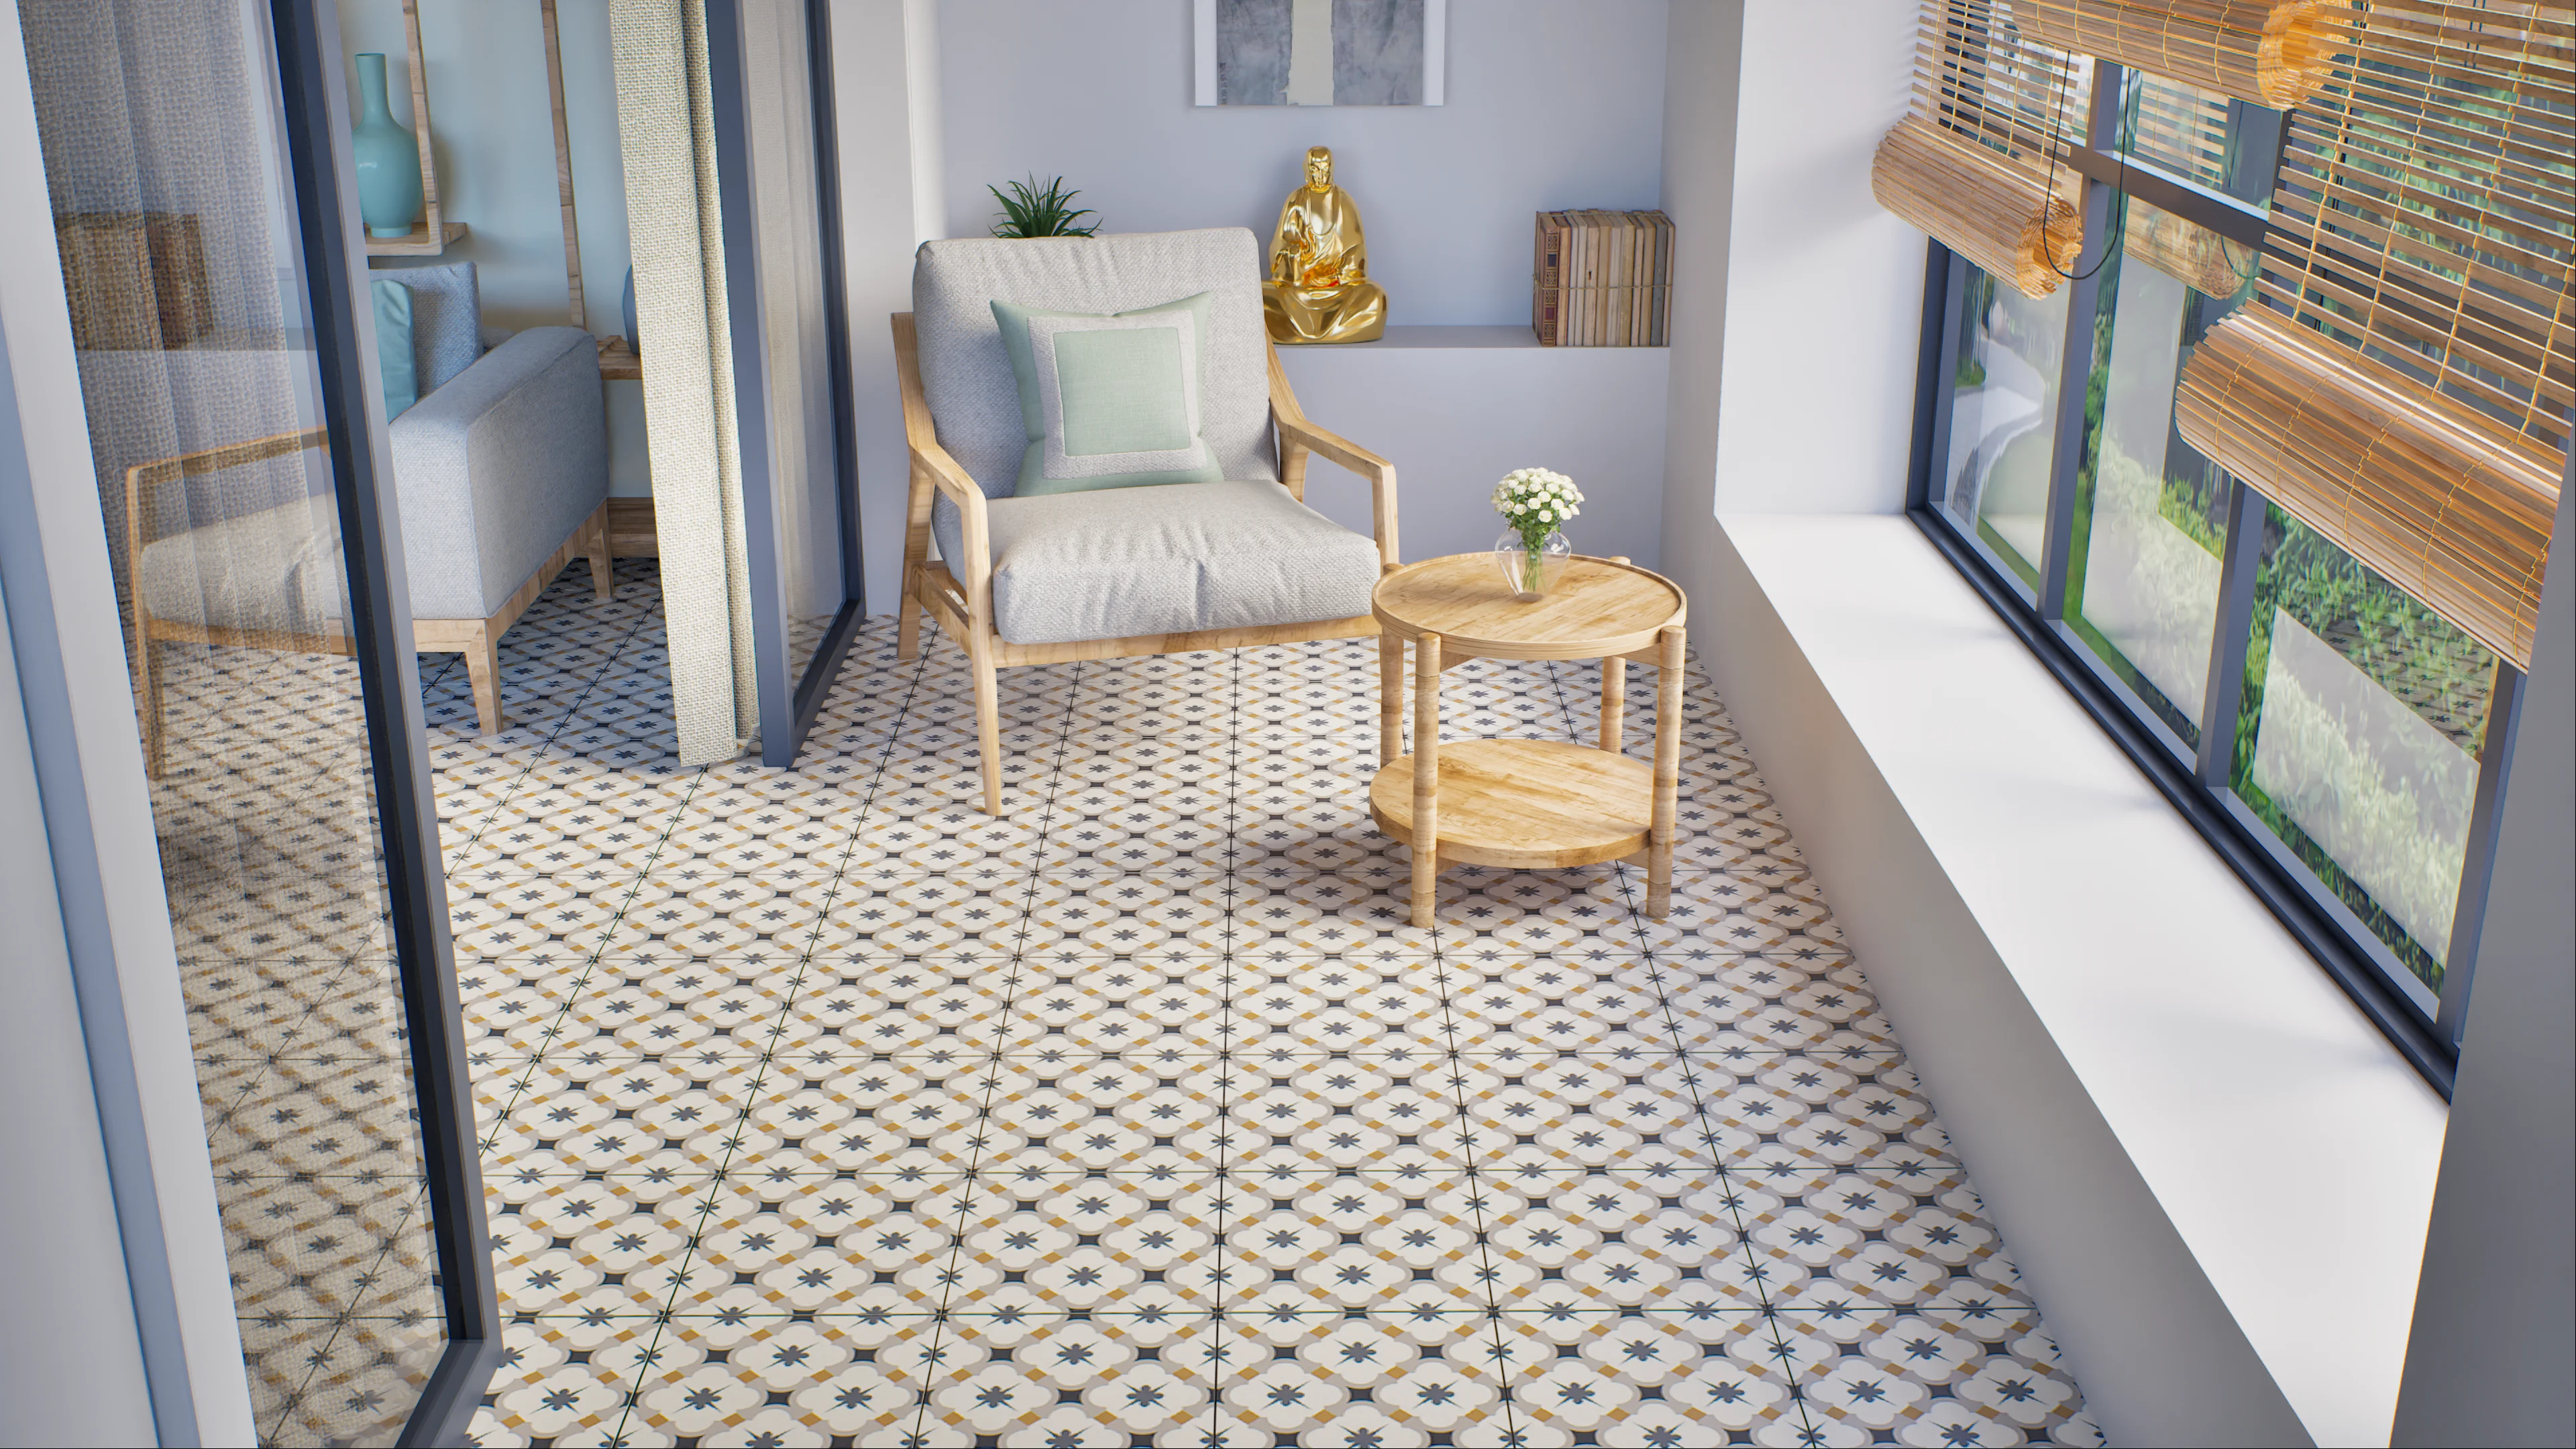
1110,402
393,348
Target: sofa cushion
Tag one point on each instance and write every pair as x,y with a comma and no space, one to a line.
446,320
1173,560
966,372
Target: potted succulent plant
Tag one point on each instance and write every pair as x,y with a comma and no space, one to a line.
1034,211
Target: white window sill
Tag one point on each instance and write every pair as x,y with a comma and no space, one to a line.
2291,1150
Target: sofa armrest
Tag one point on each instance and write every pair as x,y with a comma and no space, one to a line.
497,468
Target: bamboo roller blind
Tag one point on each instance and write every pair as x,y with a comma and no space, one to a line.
1971,163
2405,386
2264,52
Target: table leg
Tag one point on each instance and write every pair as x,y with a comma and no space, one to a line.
1614,702
1426,778
1668,772
1390,698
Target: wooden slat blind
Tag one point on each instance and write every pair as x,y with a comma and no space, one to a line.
1971,164
2405,385
2264,52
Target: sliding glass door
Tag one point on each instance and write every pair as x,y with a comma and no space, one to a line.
195,162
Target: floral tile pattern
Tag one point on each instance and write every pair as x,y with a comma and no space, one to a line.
821,1108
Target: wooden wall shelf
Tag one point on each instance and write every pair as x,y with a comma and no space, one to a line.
420,243
618,362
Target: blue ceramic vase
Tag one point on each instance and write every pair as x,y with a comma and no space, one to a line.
389,195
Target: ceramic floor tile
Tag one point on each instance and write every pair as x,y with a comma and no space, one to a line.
819,1106
1932,1378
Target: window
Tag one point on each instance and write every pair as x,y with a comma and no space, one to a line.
2323,727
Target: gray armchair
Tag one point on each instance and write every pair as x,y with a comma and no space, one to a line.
501,470
1124,571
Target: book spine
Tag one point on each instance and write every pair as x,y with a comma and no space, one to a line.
1578,299
1664,281
1548,273
1623,273
1593,280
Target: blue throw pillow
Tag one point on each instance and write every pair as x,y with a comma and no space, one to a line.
393,347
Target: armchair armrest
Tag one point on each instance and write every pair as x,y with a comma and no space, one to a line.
143,480
933,470
1298,437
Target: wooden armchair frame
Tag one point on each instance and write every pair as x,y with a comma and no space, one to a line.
963,608
478,640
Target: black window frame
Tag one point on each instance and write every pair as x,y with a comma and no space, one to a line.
2196,781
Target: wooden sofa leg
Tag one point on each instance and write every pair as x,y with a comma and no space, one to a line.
483,670
603,582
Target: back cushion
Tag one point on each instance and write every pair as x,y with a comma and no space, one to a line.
966,373
446,320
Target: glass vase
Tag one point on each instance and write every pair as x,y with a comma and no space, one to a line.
1530,574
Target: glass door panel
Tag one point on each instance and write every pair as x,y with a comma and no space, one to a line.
164,133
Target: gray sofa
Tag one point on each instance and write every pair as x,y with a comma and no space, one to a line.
501,469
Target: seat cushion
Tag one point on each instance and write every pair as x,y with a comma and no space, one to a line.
1171,560
275,569
966,372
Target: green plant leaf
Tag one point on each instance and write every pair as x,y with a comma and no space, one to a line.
1030,210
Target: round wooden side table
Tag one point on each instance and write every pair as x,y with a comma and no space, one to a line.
1527,804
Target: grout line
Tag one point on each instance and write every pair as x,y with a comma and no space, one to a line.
969,1185
723,1173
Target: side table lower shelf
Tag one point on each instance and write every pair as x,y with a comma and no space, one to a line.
1526,804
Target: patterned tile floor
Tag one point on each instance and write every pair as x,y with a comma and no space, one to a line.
821,1108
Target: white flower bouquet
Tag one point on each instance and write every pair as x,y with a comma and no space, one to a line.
1534,501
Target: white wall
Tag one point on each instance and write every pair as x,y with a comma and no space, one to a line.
1824,286
2495,1317
882,52
492,134
1550,104
1703,53
1456,408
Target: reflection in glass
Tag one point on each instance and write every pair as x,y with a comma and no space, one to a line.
795,324
161,129
2003,418
2363,716
2150,511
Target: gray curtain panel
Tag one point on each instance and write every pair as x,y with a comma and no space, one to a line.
666,136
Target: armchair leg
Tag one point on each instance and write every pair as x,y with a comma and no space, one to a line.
147,692
908,615
603,582
483,670
988,715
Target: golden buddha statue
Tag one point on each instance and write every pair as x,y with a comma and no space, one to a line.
1319,289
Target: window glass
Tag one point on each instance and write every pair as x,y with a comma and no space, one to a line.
2358,741
2150,511
2207,139
2003,418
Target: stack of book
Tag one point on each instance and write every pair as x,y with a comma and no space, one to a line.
1602,279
